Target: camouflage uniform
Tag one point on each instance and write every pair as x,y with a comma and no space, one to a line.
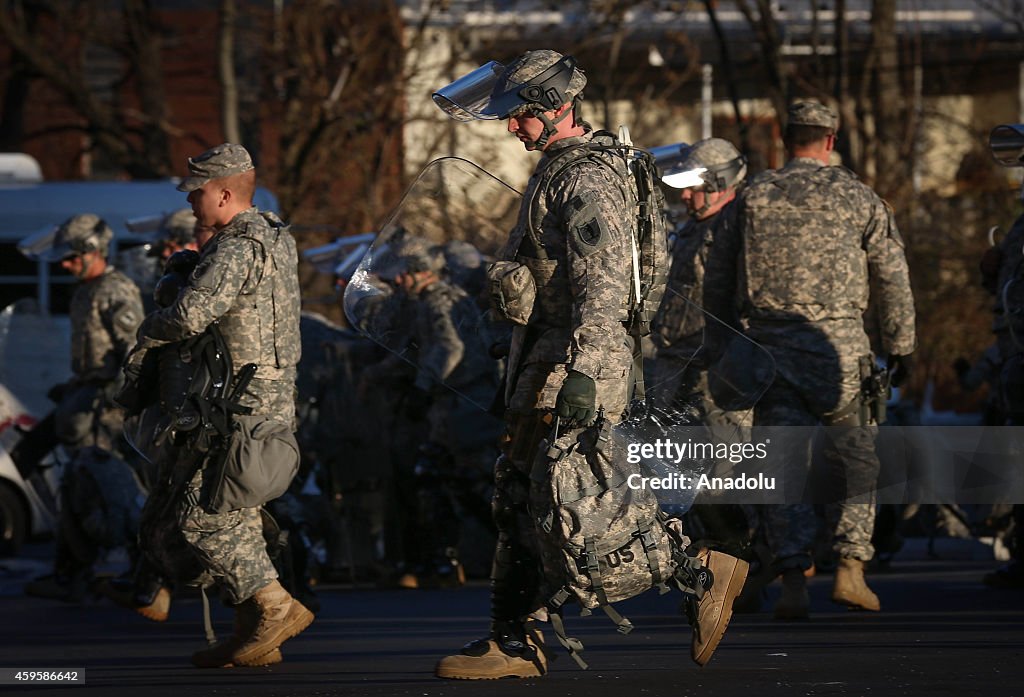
245,280
810,242
680,371
579,258
105,312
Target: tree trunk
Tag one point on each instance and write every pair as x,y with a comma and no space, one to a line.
226,67
890,167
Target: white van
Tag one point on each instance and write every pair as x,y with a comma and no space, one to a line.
31,207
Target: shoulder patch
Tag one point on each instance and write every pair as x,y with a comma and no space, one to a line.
587,230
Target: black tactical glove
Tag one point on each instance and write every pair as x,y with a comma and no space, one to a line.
899,368
167,288
577,400
182,262
57,392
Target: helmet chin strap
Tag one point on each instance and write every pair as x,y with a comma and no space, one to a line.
549,128
706,207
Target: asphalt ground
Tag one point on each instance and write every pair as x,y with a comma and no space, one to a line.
941,632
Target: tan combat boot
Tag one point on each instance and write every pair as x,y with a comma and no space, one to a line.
124,596
714,610
220,654
280,617
850,589
795,603
486,659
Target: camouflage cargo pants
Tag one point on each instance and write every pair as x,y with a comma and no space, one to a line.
230,546
853,469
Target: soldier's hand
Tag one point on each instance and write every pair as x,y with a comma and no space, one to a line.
182,262
577,400
899,368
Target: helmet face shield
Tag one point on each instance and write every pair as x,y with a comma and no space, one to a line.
1007,144
468,97
494,91
43,246
680,178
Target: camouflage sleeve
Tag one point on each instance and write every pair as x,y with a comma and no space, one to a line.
721,270
213,288
890,279
443,349
121,316
597,228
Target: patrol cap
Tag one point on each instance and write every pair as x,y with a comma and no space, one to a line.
808,113
223,160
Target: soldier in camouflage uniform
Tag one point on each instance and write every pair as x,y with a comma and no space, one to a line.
708,177
457,379
246,281
571,353
105,311
810,243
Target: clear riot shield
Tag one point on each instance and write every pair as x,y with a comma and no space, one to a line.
678,430
442,331
695,422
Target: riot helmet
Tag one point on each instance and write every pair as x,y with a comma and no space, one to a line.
536,82
76,236
409,254
177,231
713,164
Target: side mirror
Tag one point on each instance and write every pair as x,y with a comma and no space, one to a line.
1007,144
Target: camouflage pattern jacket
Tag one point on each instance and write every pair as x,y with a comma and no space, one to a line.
810,244
580,259
105,313
246,280
678,326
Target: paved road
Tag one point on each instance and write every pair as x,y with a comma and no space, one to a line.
941,633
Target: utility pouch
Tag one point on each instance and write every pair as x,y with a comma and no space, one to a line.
256,465
512,290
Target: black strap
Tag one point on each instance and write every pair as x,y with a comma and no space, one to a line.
594,570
